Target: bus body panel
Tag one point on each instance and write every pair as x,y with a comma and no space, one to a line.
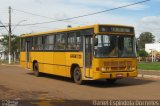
48,62
23,59
73,58
113,66
59,63
37,56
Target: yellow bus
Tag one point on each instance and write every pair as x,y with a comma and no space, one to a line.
100,51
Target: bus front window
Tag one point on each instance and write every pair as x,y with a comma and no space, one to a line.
114,46
126,47
106,46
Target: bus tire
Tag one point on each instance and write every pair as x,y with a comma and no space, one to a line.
111,81
77,76
36,70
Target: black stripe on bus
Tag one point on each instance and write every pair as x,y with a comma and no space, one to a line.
51,64
53,51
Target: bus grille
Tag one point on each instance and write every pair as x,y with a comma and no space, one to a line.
118,65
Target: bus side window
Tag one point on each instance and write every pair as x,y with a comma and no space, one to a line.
39,43
22,44
78,41
35,41
60,41
71,40
51,42
48,42
74,41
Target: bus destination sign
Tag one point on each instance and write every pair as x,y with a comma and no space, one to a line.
116,29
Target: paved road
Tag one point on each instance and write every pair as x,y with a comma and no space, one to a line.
19,83
150,72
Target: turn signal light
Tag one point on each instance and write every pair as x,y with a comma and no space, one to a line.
97,69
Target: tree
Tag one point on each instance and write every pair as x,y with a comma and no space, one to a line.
145,37
142,53
14,44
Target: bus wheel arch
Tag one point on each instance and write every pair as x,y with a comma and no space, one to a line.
73,66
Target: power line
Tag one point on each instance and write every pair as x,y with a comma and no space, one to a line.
42,16
88,14
3,25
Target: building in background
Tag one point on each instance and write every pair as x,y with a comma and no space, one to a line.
152,46
153,49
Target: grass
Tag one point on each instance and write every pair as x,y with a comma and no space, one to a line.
149,66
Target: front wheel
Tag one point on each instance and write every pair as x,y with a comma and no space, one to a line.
77,75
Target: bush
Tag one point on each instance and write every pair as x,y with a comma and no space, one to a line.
142,53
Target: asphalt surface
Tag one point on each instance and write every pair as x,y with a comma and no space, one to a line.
20,84
149,72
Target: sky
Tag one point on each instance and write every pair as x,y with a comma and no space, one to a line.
144,17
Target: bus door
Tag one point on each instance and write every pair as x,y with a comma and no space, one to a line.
27,53
87,51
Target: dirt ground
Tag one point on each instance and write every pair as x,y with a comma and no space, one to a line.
20,84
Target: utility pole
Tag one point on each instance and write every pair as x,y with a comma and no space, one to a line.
9,34
152,55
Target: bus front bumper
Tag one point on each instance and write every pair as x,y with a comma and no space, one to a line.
114,75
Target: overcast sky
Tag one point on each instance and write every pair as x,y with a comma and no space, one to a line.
144,17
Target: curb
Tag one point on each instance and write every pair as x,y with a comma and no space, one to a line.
10,65
148,76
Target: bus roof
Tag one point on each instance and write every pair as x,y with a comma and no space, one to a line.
72,29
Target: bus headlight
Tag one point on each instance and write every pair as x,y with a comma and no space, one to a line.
133,68
103,69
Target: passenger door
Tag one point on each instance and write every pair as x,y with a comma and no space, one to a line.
27,53
87,54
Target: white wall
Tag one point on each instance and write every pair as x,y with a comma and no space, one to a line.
153,46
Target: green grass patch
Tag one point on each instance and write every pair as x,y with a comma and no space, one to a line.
149,66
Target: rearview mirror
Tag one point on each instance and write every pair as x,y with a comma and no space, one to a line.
95,41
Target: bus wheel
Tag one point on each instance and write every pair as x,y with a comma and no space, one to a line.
36,70
111,81
77,75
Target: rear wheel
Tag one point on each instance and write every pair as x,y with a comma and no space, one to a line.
77,75
111,81
36,70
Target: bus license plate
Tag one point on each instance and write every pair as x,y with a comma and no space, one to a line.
119,75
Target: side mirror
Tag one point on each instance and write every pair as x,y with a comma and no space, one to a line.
95,41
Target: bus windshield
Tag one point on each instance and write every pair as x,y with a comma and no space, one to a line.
114,46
